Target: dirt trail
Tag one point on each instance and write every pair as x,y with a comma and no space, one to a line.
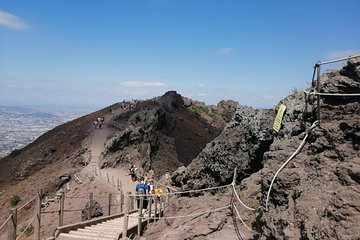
97,146
101,183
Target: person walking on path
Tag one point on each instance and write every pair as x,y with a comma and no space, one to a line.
142,190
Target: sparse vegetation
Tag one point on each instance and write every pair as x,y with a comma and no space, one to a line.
14,200
27,230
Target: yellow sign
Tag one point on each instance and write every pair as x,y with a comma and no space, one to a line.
279,116
158,192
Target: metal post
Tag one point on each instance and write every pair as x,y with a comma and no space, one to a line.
126,215
140,215
38,215
318,90
12,224
235,175
108,179
109,209
90,205
61,210
118,184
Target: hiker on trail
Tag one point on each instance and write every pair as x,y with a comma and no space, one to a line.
142,190
151,187
132,172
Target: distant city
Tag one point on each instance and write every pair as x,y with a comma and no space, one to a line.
20,126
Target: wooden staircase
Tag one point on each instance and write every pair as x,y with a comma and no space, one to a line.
107,230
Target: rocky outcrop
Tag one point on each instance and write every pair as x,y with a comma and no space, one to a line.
241,144
317,195
96,210
160,134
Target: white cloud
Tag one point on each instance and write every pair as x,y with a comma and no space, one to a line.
139,84
201,85
11,21
340,54
225,51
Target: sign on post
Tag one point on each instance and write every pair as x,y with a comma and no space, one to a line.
279,116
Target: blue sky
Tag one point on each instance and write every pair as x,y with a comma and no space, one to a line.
98,52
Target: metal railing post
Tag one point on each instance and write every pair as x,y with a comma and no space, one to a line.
318,90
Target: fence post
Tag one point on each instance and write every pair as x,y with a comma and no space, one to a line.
232,191
112,180
163,211
140,215
150,199
95,168
126,215
90,205
12,224
109,204
38,215
131,206
160,205
118,184
108,179
121,201
61,210
156,207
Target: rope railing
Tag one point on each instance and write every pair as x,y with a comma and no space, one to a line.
27,202
238,214
287,161
5,221
183,216
241,202
184,192
22,233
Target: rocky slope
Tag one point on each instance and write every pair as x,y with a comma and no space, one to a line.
164,133
316,196
40,164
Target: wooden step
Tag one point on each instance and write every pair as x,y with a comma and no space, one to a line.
67,236
98,231
102,228
95,234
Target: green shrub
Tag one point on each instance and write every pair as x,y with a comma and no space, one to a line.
14,200
27,231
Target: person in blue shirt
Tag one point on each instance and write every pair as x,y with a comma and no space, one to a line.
142,189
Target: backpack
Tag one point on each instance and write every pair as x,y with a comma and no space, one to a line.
140,191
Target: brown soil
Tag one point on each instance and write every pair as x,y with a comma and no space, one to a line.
67,139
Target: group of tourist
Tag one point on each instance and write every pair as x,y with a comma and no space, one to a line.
128,105
98,122
144,189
